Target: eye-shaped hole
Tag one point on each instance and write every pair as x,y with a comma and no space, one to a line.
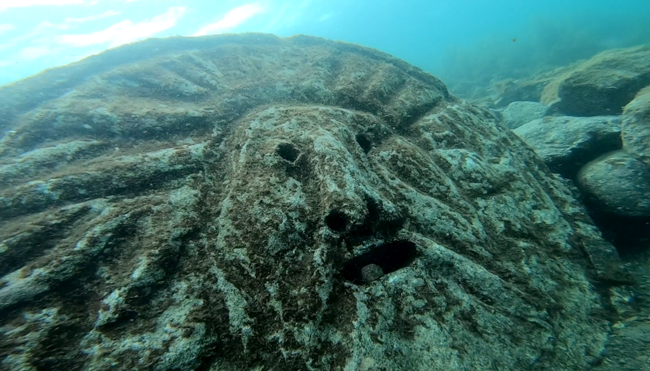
336,221
288,152
364,142
380,260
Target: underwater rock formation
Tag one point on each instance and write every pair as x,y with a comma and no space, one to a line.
635,129
519,113
225,203
567,143
618,183
601,85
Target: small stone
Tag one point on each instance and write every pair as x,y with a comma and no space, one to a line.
371,272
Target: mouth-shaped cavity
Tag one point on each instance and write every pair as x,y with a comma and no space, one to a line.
379,260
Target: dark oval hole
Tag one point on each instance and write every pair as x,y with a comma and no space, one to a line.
336,221
288,152
364,142
389,256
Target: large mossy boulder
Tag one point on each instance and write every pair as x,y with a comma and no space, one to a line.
519,113
602,85
247,202
567,143
618,184
523,90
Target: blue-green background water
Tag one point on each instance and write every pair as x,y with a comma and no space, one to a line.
461,41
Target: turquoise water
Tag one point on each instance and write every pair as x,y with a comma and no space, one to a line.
455,40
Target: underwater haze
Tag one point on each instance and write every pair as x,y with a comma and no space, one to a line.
458,41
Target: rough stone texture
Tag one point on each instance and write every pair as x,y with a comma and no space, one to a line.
635,129
619,183
371,272
602,85
567,143
509,91
519,113
209,203
628,348
529,90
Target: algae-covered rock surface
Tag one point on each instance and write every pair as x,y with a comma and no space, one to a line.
635,129
520,113
247,202
602,85
618,183
599,86
567,143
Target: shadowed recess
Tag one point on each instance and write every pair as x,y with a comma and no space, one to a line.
336,221
364,142
288,152
389,256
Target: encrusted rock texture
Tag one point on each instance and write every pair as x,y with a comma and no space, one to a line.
567,143
635,130
601,85
246,202
619,184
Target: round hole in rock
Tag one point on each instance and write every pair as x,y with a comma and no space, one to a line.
389,257
336,221
288,152
364,142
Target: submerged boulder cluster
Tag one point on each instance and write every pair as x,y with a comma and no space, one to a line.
247,202
590,123
607,156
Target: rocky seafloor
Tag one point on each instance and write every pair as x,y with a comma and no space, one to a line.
246,202
590,123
